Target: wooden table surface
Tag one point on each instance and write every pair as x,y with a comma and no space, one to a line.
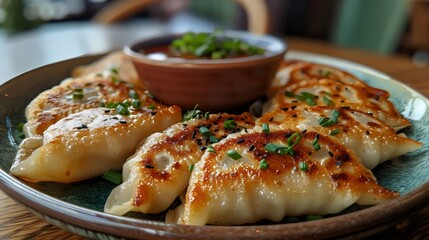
17,223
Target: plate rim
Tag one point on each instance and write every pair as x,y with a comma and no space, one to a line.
132,227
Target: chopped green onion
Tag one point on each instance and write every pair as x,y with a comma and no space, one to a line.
137,104
334,132
328,101
205,131
263,165
327,93
115,80
233,154
78,93
114,70
316,145
112,105
133,94
210,149
212,45
325,73
303,166
335,115
20,126
306,97
113,176
21,135
207,115
310,102
191,114
297,137
151,107
191,167
282,149
289,94
122,110
326,122
265,128
214,139
230,124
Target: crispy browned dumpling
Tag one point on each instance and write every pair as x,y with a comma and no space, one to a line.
327,92
84,145
159,171
74,95
258,175
369,138
291,72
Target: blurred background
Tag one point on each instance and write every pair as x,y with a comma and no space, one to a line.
387,27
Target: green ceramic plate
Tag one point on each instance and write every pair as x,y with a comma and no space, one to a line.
78,207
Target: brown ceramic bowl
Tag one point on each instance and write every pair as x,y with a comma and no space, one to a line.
214,85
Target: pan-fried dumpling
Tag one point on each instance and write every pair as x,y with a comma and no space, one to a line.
159,171
291,72
259,175
74,95
327,92
88,143
370,139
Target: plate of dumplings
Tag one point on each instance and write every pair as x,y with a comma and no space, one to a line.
333,149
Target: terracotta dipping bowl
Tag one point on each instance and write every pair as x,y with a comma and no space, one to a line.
213,84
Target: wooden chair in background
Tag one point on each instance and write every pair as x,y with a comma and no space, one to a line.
256,11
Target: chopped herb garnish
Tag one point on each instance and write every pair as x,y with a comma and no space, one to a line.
78,93
20,126
265,128
137,104
114,70
113,176
289,94
133,94
310,102
207,115
306,97
213,45
191,167
233,154
214,139
151,107
334,132
325,72
326,122
210,149
205,131
126,103
111,105
122,110
229,124
191,114
263,165
328,101
283,149
303,166
316,145
115,80
297,136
